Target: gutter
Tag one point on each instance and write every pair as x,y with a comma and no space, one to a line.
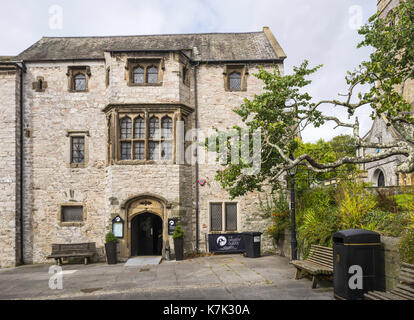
22,67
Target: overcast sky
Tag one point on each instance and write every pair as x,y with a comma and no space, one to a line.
322,31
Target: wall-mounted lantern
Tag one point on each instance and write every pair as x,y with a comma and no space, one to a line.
118,227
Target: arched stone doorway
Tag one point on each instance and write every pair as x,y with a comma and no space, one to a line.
379,178
146,235
143,213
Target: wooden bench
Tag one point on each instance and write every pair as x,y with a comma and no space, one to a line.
404,290
318,263
73,250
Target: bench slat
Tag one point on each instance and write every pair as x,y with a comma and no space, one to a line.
406,280
368,296
403,294
406,288
407,265
380,295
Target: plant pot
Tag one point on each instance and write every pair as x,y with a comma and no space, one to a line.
179,248
110,249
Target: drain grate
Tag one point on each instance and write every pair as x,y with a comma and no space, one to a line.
90,290
144,270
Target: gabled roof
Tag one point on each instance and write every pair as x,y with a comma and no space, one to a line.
209,46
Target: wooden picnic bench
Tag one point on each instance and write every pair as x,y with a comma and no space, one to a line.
404,290
73,250
318,263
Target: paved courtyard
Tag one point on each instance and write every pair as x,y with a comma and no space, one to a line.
219,277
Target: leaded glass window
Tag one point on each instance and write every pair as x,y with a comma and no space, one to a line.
166,152
154,128
80,82
231,216
78,150
126,126
154,150
235,81
139,75
125,150
139,128
166,128
216,220
152,74
139,150
71,213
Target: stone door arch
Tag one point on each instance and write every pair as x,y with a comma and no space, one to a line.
140,205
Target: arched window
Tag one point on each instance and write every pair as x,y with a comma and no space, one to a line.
139,128
139,75
139,133
154,136
166,128
166,136
381,179
154,128
235,81
79,82
152,74
126,126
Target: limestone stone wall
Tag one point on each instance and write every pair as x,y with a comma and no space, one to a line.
216,109
49,180
10,167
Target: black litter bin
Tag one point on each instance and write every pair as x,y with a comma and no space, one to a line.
252,243
357,252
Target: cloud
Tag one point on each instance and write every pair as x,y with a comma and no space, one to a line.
316,30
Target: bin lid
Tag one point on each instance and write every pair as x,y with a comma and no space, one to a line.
253,233
357,236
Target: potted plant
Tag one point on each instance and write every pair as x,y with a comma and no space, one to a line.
178,237
110,248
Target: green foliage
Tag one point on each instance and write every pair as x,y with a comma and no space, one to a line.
387,223
407,247
405,201
317,227
277,208
178,231
392,61
110,238
354,203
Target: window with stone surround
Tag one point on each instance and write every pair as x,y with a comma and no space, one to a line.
235,78
145,72
78,78
223,222
40,85
71,214
138,143
78,148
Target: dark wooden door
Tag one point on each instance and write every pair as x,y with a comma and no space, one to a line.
146,232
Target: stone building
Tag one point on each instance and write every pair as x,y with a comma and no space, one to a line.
383,173
89,131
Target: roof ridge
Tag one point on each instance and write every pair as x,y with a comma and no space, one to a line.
154,35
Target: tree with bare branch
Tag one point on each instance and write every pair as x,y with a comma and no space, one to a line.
285,108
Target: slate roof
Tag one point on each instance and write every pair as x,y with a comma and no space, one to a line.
210,46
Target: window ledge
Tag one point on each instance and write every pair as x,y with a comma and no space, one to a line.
71,224
144,162
159,84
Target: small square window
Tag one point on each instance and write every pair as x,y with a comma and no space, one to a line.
71,214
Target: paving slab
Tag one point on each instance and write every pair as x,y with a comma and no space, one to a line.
219,277
143,261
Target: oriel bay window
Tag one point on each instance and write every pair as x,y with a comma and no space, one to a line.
146,137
